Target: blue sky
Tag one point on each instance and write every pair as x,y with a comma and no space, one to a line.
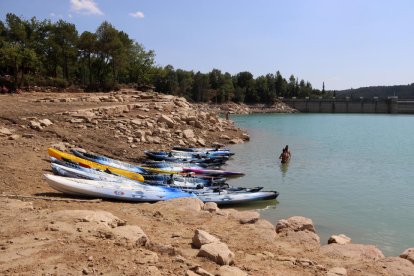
344,43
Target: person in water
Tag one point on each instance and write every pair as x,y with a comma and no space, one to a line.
285,155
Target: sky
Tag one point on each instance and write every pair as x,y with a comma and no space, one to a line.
341,43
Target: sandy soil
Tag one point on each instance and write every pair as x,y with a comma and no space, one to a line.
41,237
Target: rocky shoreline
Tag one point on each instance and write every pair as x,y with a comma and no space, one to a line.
46,233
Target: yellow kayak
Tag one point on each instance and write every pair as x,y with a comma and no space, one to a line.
67,156
162,171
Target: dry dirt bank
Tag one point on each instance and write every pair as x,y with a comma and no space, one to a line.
43,237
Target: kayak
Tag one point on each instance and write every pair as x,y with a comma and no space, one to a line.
186,157
204,150
226,197
113,190
144,193
90,164
90,174
213,172
110,162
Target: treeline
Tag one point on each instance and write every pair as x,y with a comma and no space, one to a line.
401,91
44,53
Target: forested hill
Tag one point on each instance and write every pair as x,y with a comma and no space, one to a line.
401,91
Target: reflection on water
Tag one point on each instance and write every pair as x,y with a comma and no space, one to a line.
284,168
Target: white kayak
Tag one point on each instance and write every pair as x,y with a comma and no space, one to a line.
125,191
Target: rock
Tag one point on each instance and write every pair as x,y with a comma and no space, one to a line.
217,252
224,136
337,271
191,273
76,121
35,125
339,239
397,266
98,217
236,141
199,271
137,122
5,131
188,133
130,235
28,135
14,137
165,119
210,207
408,254
153,271
296,223
386,266
266,230
60,146
248,217
140,134
306,239
226,270
352,252
201,142
202,237
45,122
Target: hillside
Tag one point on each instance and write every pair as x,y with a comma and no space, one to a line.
401,91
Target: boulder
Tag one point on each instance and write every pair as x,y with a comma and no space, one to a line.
386,266
201,272
306,239
201,142
408,254
397,266
165,119
130,235
210,207
217,252
202,237
351,252
5,132
35,125
227,270
236,141
339,239
99,217
188,133
45,122
296,223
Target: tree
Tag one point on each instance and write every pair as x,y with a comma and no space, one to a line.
281,85
140,64
185,83
65,36
16,56
200,87
87,46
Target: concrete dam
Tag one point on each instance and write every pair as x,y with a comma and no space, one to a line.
392,105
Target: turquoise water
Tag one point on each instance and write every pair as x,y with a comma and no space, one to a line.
351,174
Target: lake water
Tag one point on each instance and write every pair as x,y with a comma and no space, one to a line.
351,174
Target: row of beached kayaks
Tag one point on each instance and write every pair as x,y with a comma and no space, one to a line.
85,174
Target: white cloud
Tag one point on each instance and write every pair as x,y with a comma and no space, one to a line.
137,14
85,7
